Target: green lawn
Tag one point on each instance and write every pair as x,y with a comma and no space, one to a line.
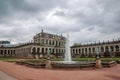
56,59
9,59
110,59
23,60
104,59
87,59
83,59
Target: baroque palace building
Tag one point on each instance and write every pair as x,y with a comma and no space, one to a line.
55,44
106,49
41,44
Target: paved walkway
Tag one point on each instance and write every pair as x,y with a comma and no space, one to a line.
25,73
4,76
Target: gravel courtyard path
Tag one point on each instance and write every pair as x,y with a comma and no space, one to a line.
4,76
25,73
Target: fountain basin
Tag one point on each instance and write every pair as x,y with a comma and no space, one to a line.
72,64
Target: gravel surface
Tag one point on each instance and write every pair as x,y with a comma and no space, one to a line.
4,76
22,72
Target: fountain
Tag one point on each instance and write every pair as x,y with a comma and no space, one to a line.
67,51
67,63
67,59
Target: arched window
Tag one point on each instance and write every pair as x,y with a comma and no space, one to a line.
59,50
42,41
117,48
42,50
62,50
73,51
89,50
50,42
1,52
53,51
46,42
38,50
50,50
85,50
76,51
79,50
59,44
56,43
53,43
106,49
102,49
14,52
11,52
34,50
93,49
111,48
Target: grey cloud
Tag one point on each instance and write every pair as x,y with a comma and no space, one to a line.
107,18
60,13
82,18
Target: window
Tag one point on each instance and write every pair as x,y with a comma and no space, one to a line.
46,42
42,41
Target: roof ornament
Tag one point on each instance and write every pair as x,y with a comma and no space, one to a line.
42,31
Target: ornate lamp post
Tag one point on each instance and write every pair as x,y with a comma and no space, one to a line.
98,60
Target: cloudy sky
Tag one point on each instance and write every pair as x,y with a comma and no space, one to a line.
84,20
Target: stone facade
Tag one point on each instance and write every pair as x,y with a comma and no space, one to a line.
7,51
106,49
43,42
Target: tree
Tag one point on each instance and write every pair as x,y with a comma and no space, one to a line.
76,44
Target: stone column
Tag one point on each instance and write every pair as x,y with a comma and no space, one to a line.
91,50
36,56
98,63
48,64
98,60
104,48
109,50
